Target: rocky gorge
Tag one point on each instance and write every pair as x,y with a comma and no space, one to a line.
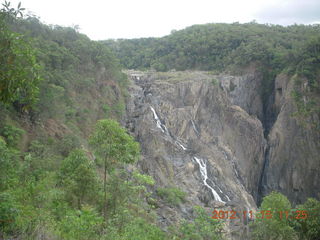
214,137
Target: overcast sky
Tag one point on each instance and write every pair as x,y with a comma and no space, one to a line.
104,19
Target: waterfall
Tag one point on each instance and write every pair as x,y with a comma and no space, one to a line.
159,124
180,145
201,162
204,175
194,127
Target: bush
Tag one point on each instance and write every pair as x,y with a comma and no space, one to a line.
308,228
12,135
137,229
201,228
8,212
9,166
268,227
81,225
78,178
172,195
214,82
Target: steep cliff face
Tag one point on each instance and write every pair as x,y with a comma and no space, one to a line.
204,134
293,159
193,137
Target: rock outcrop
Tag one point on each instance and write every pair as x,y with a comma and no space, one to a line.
186,124
293,159
204,134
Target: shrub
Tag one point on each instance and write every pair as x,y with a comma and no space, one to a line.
308,228
12,135
201,228
172,195
269,224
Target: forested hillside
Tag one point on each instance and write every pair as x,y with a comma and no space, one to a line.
273,49
63,171
218,46
68,169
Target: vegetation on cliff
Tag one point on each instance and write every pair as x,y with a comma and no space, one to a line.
276,219
55,85
273,49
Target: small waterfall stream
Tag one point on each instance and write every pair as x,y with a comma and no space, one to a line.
204,175
202,164
159,124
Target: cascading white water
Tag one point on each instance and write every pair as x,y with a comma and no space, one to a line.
201,163
180,145
159,124
224,194
194,127
204,175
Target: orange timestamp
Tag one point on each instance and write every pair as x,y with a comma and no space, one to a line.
262,214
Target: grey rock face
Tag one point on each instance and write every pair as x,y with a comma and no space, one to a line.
181,117
294,159
202,133
244,91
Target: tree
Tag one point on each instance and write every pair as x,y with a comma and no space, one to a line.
114,146
269,223
19,71
9,166
81,224
203,227
78,177
309,228
8,213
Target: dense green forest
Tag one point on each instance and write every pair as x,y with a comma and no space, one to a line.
63,171
222,46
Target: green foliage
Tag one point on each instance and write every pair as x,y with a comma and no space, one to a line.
118,109
272,49
73,69
308,228
275,227
143,179
9,166
137,228
307,83
78,177
106,109
218,46
172,195
128,214
114,146
19,70
214,82
11,134
308,109
81,225
112,143
40,159
67,144
8,212
47,188
10,11
45,192
201,228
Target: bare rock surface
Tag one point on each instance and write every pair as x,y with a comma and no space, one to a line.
187,124
203,133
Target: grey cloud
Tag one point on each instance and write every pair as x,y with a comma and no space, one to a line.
290,12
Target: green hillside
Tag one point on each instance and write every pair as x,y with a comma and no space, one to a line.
67,167
271,49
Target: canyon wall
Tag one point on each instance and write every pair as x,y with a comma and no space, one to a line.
205,134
